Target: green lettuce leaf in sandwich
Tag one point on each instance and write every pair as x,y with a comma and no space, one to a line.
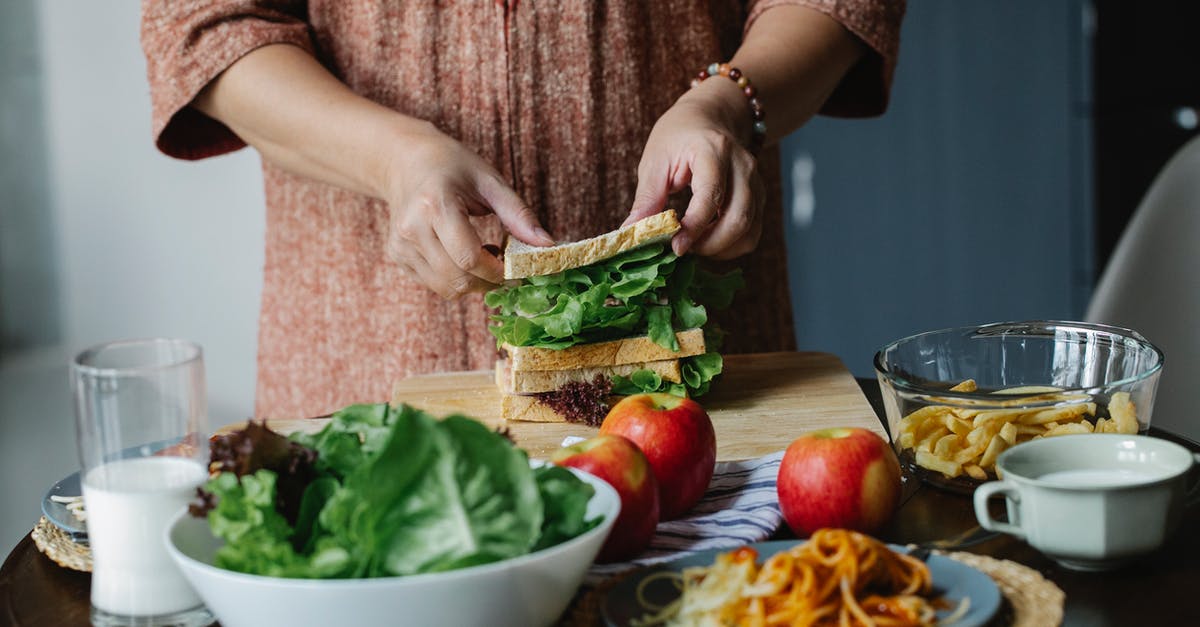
617,314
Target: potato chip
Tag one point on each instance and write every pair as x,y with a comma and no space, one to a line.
971,453
996,446
921,415
965,414
983,434
1028,389
1009,433
926,443
1123,413
946,446
1073,428
1056,414
975,472
966,386
958,440
996,415
929,425
926,459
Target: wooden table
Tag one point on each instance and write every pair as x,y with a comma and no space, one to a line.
1155,591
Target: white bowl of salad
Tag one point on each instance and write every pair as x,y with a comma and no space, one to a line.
389,517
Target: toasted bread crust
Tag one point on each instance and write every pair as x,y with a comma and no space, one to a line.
516,408
614,353
534,381
522,260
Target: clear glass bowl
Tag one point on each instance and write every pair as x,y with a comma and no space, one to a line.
1030,380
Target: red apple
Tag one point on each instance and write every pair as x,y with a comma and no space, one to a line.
847,478
677,437
622,465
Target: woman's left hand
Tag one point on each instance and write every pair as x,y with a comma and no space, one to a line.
700,143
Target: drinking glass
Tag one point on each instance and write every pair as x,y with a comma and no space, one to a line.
140,411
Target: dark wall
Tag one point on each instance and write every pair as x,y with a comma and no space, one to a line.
968,202
1147,102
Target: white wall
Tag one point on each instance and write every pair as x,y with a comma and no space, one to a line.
148,245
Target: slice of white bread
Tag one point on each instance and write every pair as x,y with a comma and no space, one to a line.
534,381
517,408
522,260
613,353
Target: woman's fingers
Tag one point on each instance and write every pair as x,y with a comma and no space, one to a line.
653,188
447,278
461,243
710,181
416,244
724,217
430,230
737,230
516,216
428,260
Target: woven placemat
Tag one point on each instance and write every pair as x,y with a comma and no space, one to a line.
58,546
1030,600
1034,600
585,607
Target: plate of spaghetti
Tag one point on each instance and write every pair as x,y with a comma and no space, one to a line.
836,577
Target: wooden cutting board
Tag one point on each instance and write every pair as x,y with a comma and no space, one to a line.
758,406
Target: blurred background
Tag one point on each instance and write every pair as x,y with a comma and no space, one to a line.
1021,137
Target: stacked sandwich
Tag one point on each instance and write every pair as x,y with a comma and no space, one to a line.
613,315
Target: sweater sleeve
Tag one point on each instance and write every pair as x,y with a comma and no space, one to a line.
188,43
864,90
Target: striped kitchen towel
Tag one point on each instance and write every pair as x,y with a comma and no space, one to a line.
740,507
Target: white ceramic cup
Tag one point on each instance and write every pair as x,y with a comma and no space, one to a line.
1090,502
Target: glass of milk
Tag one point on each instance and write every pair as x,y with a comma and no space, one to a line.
140,411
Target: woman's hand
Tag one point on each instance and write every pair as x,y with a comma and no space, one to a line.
280,100
437,184
796,58
700,143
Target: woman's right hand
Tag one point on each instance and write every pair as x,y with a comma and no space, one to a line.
433,188
280,100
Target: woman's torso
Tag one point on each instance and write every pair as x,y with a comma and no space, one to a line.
560,98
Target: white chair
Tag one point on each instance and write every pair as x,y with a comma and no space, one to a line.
1152,285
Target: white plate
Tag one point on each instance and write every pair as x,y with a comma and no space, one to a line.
58,514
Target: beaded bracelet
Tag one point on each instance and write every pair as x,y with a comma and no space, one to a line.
756,108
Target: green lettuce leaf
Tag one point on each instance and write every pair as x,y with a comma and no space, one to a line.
566,497
658,323
351,435
398,492
316,495
440,495
697,374
689,314
717,290
257,537
645,291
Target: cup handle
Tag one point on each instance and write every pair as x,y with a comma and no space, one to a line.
984,493
1193,493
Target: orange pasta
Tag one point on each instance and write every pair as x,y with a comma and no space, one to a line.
838,577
